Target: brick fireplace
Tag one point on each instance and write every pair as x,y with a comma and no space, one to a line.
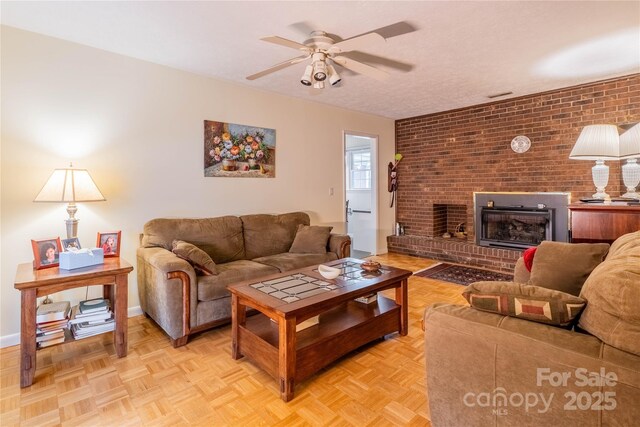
449,156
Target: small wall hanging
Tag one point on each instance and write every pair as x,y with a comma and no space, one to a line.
232,150
392,177
520,144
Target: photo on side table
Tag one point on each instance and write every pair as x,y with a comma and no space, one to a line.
71,244
109,241
46,253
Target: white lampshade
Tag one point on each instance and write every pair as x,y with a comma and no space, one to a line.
70,185
630,143
597,142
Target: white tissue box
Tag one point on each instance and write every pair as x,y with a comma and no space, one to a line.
73,260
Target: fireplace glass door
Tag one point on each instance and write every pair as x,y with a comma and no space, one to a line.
516,227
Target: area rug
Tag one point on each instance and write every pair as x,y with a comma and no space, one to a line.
461,275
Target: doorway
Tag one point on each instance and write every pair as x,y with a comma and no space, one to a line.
361,201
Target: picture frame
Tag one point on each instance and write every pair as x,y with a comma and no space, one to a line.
43,257
234,150
109,241
73,242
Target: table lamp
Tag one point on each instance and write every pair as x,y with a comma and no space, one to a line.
599,143
630,150
70,185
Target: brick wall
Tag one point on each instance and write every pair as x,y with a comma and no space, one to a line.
450,155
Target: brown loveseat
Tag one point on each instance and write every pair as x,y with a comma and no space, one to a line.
242,248
489,369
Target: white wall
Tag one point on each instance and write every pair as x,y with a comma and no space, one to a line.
138,128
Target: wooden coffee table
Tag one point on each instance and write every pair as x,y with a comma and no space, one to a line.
284,300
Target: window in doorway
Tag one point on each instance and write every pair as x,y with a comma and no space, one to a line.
359,170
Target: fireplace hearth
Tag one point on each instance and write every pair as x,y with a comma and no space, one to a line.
520,220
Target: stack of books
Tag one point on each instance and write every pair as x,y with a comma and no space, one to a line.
367,299
52,321
91,317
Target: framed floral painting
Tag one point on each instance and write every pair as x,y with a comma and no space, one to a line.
232,150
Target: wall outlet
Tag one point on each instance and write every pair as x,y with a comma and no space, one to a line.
331,191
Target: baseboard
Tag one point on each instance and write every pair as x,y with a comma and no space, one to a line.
9,340
14,339
134,311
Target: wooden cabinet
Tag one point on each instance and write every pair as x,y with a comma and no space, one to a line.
592,223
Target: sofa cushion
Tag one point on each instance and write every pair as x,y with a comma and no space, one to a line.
198,258
525,302
565,266
624,243
221,238
266,235
230,273
311,239
288,261
612,292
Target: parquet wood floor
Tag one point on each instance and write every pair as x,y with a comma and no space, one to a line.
84,383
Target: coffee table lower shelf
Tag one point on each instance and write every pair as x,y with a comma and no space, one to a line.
341,330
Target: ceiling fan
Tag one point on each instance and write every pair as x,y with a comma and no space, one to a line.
323,51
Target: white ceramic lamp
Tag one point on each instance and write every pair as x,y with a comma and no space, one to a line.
630,150
70,185
599,143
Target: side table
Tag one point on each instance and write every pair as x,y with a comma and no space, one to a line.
112,275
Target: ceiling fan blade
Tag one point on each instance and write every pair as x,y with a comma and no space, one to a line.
285,42
356,43
360,67
278,67
379,60
394,30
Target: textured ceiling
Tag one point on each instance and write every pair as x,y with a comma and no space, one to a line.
459,53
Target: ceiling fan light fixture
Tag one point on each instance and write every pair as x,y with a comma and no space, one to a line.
319,71
306,77
318,85
334,77
324,50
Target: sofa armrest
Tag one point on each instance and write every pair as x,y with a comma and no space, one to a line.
339,244
520,272
472,355
161,283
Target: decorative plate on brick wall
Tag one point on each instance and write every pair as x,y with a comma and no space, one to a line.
520,144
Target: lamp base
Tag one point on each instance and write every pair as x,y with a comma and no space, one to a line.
72,227
631,178
72,222
632,195
600,174
600,194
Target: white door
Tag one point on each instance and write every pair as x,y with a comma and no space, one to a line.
360,192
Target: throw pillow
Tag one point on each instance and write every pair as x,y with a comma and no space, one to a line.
525,302
311,239
613,292
199,259
565,266
528,256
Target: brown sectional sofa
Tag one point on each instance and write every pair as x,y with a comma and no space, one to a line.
488,369
243,248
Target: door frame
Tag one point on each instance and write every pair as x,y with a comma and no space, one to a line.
374,180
